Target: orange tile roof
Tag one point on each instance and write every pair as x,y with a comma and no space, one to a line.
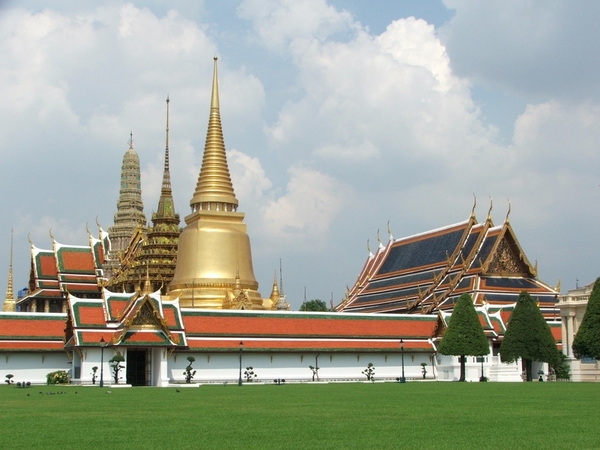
31,345
307,345
90,315
32,325
117,307
77,261
48,265
209,324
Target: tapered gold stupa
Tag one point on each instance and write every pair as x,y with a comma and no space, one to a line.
214,261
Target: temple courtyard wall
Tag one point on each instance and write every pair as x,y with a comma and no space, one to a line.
164,368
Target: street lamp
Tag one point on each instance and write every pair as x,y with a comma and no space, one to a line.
102,361
240,378
481,359
402,379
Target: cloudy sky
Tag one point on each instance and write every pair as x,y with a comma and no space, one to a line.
338,115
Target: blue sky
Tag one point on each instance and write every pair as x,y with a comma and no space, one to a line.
338,117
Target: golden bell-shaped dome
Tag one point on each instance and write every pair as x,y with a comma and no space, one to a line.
214,261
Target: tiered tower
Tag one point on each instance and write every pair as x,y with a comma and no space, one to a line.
155,259
214,261
130,209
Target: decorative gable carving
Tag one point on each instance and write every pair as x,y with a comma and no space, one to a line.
146,317
506,261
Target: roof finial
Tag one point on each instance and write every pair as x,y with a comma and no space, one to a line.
389,230
489,217
369,247
474,205
508,212
130,141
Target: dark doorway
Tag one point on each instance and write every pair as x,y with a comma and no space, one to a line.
136,367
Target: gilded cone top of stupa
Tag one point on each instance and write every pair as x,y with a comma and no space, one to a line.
214,183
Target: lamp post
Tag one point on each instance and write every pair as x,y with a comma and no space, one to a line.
481,359
402,379
102,361
240,377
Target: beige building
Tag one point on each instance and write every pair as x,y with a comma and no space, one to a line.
572,307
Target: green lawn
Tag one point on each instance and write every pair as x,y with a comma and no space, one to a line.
319,416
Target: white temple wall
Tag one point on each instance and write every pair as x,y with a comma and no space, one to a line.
32,366
448,368
295,366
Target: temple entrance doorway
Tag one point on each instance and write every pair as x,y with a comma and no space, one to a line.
137,362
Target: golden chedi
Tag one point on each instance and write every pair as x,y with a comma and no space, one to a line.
214,261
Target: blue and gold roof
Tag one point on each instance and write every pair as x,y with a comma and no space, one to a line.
428,272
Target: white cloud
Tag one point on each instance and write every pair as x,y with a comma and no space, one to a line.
248,177
279,23
303,214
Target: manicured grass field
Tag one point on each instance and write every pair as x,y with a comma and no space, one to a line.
303,416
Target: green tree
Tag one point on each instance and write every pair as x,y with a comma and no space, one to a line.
314,305
528,336
587,341
464,335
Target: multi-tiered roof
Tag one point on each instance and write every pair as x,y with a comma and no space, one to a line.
427,272
64,269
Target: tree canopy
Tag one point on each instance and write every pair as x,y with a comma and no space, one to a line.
314,305
528,335
464,335
587,341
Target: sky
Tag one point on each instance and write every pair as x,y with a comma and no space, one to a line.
339,117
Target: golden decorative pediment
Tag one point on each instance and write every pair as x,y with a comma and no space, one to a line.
505,261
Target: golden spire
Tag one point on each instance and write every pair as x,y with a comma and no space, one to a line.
275,292
214,189
9,301
166,206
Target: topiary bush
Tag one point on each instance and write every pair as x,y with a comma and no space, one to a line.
116,366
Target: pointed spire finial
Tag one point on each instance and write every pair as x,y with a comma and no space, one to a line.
130,141
214,184
9,301
280,277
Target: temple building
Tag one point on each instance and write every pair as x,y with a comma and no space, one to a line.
427,273
64,270
214,261
130,216
151,251
87,304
